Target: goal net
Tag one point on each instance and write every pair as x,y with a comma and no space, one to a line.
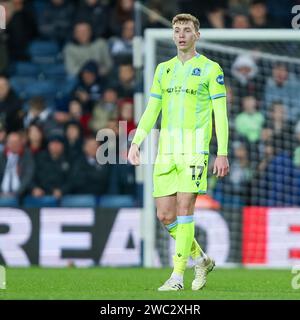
234,220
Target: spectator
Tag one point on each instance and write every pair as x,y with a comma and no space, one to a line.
249,123
90,177
3,135
53,161
21,30
121,47
296,155
77,114
200,8
266,138
73,134
235,188
36,139
259,185
3,52
126,83
126,114
278,12
56,20
105,110
167,8
259,17
84,49
283,86
240,21
217,18
97,14
122,12
282,128
275,173
16,167
241,171
122,179
10,107
39,114
246,81
89,89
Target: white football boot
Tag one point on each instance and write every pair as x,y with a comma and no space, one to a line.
201,271
171,285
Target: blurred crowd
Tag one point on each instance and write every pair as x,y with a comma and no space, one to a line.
66,72
264,119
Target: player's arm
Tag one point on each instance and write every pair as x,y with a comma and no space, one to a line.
217,92
148,118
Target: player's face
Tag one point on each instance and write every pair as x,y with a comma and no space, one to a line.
185,35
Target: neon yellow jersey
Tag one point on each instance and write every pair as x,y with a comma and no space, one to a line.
186,94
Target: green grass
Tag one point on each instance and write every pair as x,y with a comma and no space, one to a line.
137,283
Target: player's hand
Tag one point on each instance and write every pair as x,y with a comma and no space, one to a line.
134,155
221,166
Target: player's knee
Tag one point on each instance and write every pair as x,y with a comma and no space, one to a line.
164,217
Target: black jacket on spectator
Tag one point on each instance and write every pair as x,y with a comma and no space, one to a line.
25,170
3,52
90,177
56,21
21,29
73,151
11,112
52,174
122,180
97,15
93,90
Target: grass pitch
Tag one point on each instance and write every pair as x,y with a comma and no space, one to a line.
137,283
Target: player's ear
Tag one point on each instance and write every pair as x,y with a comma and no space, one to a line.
197,35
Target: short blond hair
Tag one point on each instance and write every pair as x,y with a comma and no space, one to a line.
185,17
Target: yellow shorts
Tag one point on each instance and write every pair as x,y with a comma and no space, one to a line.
180,173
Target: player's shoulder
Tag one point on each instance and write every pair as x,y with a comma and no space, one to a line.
167,63
212,63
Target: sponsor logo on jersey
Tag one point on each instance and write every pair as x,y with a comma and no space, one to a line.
220,79
196,72
168,70
179,89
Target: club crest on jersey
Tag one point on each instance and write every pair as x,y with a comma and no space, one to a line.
196,72
220,79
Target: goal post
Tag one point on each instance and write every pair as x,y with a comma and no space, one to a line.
224,45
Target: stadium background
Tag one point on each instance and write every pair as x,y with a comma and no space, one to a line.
67,71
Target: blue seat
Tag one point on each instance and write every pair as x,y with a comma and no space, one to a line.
38,202
53,71
81,200
44,88
19,84
42,51
25,69
116,201
9,201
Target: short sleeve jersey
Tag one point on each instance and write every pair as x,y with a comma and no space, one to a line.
184,94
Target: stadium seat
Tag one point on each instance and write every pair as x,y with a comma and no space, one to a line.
116,201
42,51
44,88
19,85
53,71
34,202
25,69
9,202
82,200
